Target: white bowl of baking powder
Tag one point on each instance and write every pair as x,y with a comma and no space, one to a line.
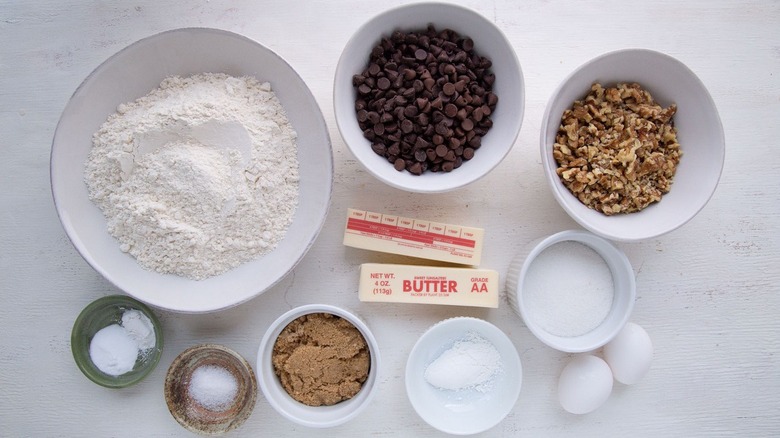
132,73
463,376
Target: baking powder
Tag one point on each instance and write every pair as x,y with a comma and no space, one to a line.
568,289
198,176
471,363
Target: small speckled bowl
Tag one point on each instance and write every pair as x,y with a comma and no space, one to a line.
293,410
100,314
195,417
622,303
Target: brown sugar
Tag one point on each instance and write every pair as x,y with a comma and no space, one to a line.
321,359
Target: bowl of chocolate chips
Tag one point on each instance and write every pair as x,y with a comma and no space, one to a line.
429,97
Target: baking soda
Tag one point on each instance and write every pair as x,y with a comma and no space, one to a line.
568,289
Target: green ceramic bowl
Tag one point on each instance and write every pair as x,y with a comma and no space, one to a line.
100,314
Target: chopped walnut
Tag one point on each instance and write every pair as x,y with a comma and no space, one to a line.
617,149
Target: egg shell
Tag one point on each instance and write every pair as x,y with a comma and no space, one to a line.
629,354
584,385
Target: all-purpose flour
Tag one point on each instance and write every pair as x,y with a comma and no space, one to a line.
198,176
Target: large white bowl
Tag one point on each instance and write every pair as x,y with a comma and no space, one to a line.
132,73
699,132
489,41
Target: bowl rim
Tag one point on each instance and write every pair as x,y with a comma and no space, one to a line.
553,180
341,123
622,267
272,389
100,304
475,324
81,247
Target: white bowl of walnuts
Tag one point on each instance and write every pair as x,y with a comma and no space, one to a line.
632,145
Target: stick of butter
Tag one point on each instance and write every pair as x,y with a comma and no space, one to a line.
413,237
388,283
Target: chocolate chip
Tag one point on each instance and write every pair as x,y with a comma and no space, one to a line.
477,114
468,153
407,126
449,89
451,110
420,54
364,89
383,83
379,148
399,164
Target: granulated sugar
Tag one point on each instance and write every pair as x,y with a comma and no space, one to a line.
568,289
198,176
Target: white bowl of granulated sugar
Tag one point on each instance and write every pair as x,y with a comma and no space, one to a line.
192,169
574,290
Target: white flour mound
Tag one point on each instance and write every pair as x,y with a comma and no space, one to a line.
198,176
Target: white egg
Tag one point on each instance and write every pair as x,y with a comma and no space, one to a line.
584,385
629,354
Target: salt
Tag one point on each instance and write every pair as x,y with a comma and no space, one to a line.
568,289
213,387
471,363
116,348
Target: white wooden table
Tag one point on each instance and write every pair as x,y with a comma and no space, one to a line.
707,293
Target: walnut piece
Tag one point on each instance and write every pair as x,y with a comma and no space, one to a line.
617,149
